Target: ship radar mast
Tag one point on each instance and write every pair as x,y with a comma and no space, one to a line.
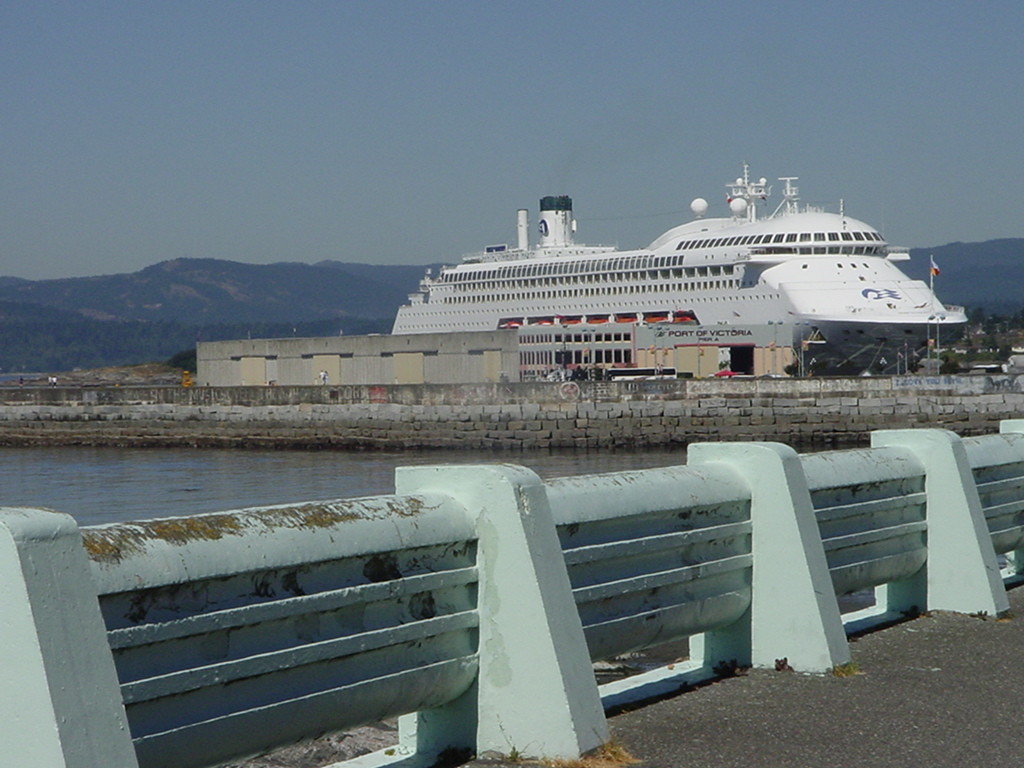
790,196
744,195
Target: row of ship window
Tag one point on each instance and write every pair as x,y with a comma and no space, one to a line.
697,285
617,277
781,237
834,250
590,267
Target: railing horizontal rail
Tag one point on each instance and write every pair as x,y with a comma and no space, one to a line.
210,741
858,575
653,581
285,535
859,469
870,507
587,553
1005,485
688,495
286,608
864,538
292,658
644,629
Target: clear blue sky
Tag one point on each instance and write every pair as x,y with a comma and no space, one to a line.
407,133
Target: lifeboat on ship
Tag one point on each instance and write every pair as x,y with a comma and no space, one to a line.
597,319
656,317
684,317
510,322
625,317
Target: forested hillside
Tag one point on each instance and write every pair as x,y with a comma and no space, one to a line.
197,291
158,311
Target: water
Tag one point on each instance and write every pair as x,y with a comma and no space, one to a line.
104,485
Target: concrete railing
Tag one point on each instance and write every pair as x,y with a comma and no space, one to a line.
997,464
471,603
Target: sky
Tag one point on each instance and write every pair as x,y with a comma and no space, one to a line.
391,132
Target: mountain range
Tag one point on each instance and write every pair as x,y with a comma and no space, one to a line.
153,313
204,291
88,322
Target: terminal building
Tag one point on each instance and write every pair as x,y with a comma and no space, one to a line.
690,350
429,358
531,353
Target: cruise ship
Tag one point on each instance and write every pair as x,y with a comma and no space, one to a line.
831,280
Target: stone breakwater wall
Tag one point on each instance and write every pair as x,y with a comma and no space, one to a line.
821,412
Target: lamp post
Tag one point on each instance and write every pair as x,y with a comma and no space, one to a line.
588,338
928,334
774,346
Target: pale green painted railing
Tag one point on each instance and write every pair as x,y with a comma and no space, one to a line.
472,602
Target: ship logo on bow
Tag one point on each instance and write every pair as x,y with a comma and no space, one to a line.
880,293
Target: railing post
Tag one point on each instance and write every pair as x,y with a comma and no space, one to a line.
1014,558
962,571
61,705
536,693
793,610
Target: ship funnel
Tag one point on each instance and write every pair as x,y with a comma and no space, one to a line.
556,223
523,229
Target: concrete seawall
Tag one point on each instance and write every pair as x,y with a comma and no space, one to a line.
822,412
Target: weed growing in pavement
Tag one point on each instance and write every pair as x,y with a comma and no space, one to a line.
609,755
849,669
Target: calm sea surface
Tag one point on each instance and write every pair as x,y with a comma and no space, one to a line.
102,485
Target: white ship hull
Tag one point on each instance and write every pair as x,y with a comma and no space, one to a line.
830,278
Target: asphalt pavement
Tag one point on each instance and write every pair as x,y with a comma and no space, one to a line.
935,691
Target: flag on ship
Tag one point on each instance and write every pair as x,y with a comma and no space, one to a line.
934,270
